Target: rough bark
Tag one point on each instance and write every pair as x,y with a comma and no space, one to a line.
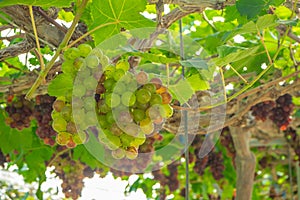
245,163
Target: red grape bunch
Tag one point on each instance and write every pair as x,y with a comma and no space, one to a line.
279,111
19,113
42,113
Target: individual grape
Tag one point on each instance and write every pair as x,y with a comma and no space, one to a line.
139,140
71,128
128,99
131,129
79,90
156,99
124,117
90,83
157,82
114,142
88,172
71,53
97,52
92,61
71,144
59,124
109,71
63,138
112,100
66,112
118,74
79,64
110,117
79,139
138,115
162,90
154,112
90,118
131,153
167,111
126,140
116,130
142,78
118,153
124,65
143,96
84,49
147,126
104,60
58,105
103,107
120,89
166,98
150,87
89,103
141,105
109,84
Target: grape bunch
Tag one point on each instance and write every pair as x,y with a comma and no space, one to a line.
19,113
280,115
262,110
64,125
129,107
227,141
42,113
214,160
71,173
170,180
79,62
279,111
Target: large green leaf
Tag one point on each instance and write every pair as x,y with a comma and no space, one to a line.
250,8
117,14
61,85
43,3
12,139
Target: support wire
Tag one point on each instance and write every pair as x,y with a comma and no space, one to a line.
185,116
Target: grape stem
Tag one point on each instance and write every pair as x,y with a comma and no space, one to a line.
40,56
64,42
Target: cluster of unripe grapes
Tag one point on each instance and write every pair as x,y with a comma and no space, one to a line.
82,59
129,108
278,111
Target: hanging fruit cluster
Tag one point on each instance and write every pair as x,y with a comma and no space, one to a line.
129,108
127,105
81,59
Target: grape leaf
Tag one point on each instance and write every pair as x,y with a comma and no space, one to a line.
12,139
195,62
266,21
250,8
236,56
182,91
43,3
61,85
123,14
197,83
